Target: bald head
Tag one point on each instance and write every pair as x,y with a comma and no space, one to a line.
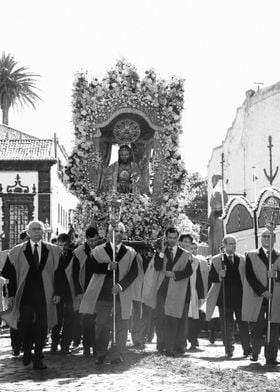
229,242
268,239
35,230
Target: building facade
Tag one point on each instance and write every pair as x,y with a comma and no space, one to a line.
32,185
248,159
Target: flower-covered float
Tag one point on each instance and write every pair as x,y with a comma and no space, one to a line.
138,119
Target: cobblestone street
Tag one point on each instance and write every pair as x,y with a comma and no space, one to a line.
203,370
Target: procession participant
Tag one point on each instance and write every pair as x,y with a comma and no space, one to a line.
167,293
229,267
34,282
62,332
100,291
256,295
185,241
136,325
15,334
198,292
82,270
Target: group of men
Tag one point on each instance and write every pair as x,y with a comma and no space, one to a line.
70,293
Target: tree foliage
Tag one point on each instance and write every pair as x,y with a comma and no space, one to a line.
197,203
17,85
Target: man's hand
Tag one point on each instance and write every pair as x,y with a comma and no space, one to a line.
116,289
77,301
11,301
272,274
266,294
170,274
56,299
222,274
113,265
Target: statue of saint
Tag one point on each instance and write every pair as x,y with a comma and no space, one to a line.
122,175
216,231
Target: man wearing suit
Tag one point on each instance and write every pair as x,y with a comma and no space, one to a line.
256,296
228,268
34,279
100,291
82,270
63,332
173,265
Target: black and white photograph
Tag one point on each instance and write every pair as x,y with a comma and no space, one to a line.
140,196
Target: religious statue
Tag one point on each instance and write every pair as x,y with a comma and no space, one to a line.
216,231
122,175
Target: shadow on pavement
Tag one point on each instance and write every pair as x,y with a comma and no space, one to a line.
64,367
258,368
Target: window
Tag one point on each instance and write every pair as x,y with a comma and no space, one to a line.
18,222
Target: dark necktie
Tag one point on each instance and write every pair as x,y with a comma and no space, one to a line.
36,256
231,259
171,254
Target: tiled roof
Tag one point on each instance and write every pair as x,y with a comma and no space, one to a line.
26,149
7,132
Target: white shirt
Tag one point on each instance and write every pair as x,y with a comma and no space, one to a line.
117,246
39,249
266,251
173,249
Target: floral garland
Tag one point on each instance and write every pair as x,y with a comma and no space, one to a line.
143,218
94,102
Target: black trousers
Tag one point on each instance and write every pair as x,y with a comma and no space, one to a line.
77,328
228,337
88,330
194,328
142,328
33,324
62,333
171,331
104,324
257,331
16,338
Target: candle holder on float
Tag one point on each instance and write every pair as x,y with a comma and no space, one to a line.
271,212
114,218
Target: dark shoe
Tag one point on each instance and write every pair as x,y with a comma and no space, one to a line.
100,360
196,343
192,348
53,348
38,364
87,351
180,350
272,363
139,346
212,337
65,351
16,352
254,358
117,361
170,353
230,354
26,359
247,352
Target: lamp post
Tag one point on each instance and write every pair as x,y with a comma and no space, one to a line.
271,210
114,218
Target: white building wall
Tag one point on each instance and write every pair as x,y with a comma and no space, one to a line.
62,201
246,144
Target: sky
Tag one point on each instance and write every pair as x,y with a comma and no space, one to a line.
220,47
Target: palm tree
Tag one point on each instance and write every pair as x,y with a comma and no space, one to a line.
17,85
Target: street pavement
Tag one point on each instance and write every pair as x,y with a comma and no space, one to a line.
140,371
